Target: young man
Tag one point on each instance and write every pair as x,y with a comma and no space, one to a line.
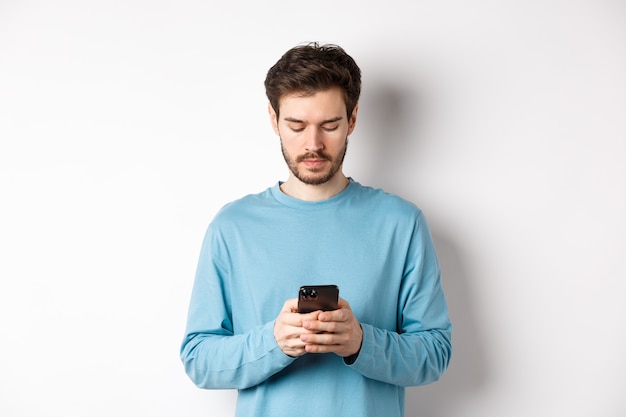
318,227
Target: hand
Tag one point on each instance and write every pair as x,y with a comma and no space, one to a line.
288,328
335,331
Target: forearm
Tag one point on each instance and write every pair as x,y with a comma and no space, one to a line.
232,361
403,359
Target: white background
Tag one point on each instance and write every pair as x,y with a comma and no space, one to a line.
125,125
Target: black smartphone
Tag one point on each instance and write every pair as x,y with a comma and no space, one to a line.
318,297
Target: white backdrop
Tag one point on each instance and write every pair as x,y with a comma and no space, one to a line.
125,125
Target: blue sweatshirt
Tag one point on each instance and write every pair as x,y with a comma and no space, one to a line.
256,254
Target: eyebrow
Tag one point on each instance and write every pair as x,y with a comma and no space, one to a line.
294,120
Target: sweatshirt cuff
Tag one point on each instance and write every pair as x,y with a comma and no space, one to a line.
366,353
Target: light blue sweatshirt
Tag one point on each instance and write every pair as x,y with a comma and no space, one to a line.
256,254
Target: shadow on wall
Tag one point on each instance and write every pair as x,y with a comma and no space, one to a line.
385,117
394,127
468,370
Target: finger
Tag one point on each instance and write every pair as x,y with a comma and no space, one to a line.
294,347
316,339
317,326
297,321
341,314
343,303
290,306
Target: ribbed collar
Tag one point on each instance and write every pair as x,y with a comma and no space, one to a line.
295,203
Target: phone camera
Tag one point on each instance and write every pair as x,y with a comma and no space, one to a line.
308,294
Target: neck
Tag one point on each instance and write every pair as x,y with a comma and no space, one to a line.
295,188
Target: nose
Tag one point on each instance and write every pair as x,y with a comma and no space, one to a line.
313,139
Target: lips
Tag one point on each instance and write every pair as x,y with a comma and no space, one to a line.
314,163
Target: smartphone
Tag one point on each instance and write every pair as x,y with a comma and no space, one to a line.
318,297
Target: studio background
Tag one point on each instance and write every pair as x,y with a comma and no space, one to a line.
126,125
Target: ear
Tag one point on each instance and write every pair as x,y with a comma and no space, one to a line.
352,121
273,118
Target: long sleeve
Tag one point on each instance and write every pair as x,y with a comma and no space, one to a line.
213,355
232,361
419,351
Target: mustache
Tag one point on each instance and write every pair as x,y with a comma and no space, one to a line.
313,155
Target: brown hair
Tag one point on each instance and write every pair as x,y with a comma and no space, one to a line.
310,68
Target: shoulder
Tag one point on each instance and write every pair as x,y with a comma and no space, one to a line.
390,203
246,207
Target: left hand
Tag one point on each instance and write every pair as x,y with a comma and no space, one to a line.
336,331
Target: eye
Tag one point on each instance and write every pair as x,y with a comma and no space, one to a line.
296,128
330,128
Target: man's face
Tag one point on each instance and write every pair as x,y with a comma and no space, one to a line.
314,133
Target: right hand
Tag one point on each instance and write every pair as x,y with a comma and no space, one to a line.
288,328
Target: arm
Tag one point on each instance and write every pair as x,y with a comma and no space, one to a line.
419,351
213,355
403,359
216,361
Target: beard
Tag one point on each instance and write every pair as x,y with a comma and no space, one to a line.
315,176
